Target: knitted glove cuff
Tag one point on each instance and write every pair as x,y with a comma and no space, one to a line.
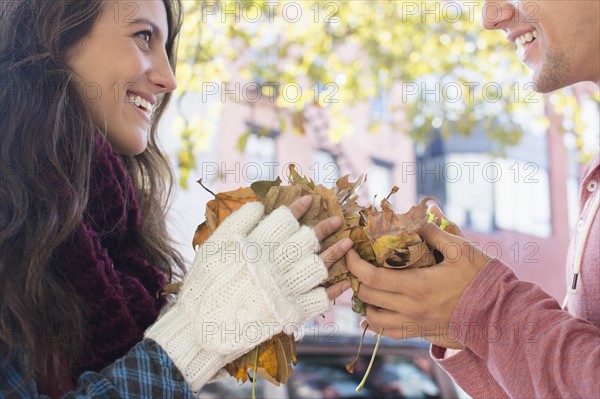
173,332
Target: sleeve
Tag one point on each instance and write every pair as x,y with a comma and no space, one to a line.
144,372
469,372
519,341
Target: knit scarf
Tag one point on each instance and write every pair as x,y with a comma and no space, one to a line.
106,266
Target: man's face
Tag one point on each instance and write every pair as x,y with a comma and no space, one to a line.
559,40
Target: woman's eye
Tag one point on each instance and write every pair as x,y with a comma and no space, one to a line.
146,35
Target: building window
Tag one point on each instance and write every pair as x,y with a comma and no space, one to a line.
485,193
325,169
380,103
380,180
380,106
469,182
522,199
261,155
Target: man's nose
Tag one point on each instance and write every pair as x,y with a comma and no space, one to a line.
496,13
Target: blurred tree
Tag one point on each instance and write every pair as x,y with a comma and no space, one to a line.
439,68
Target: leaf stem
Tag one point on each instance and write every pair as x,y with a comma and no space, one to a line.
392,192
364,380
204,187
350,366
255,368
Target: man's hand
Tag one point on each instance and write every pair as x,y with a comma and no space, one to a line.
419,302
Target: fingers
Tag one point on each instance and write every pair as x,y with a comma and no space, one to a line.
436,237
384,279
300,206
277,227
298,263
326,227
390,320
387,300
337,289
397,326
314,302
336,252
451,227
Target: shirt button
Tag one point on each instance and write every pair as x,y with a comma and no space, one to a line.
579,224
592,186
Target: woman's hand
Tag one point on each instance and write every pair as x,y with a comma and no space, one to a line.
323,230
420,302
254,277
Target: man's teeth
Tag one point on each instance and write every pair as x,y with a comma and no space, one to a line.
526,38
141,102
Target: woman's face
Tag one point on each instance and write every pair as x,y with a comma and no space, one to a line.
122,67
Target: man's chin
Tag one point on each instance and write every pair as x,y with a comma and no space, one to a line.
554,72
542,83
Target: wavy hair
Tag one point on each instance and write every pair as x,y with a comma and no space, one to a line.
45,131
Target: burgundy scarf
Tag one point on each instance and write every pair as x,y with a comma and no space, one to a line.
107,267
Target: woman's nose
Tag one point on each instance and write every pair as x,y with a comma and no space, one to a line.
162,75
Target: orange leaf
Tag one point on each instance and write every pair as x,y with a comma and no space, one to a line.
225,204
219,208
275,357
202,233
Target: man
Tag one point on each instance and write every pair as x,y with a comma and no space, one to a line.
511,338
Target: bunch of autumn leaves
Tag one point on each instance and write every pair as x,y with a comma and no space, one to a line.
380,236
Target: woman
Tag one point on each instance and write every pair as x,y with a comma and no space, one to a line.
84,248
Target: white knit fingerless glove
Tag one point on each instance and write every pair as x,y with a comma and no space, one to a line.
252,279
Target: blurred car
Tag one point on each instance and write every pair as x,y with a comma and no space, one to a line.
402,369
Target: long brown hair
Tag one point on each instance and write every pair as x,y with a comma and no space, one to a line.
46,149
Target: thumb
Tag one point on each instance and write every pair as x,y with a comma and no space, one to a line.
450,226
434,236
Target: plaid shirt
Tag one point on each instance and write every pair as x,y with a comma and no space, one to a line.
144,372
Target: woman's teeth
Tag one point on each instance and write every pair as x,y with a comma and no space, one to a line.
141,103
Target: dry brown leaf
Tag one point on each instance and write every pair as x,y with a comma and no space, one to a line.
225,204
261,188
346,190
418,255
390,232
352,212
275,358
219,208
296,178
281,195
170,289
202,233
